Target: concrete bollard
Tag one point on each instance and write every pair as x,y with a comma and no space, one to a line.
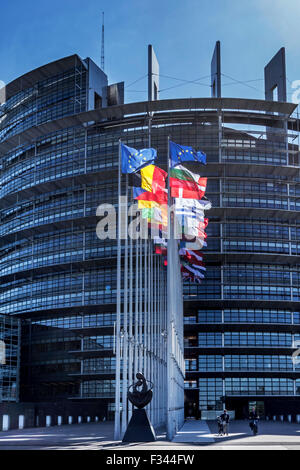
274,418
70,420
48,421
96,419
298,419
21,421
37,421
88,419
289,418
5,422
79,419
59,420
281,418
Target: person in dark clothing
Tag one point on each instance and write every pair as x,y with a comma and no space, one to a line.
220,426
225,420
253,417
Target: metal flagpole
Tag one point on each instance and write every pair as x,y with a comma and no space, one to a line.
125,320
154,283
136,309
170,384
145,339
160,330
180,304
165,377
175,367
164,340
153,357
149,358
141,310
131,339
118,322
150,296
150,323
159,340
156,339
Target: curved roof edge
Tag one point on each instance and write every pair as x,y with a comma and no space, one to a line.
206,104
113,113
36,75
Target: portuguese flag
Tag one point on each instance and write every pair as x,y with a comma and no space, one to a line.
186,184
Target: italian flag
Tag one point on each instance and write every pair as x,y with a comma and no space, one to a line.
186,184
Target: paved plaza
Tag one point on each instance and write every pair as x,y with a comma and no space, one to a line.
194,436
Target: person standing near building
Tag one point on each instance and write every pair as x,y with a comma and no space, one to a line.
253,417
220,426
225,420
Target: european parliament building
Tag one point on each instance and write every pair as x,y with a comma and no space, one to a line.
59,130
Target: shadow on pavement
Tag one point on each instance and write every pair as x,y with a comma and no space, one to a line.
100,436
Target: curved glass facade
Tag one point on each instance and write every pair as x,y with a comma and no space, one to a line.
61,279
10,329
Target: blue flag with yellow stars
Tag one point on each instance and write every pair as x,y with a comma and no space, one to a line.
180,154
133,160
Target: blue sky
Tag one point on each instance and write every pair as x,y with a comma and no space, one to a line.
183,33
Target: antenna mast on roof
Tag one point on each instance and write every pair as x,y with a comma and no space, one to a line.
102,47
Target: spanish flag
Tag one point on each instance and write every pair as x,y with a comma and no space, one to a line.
143,195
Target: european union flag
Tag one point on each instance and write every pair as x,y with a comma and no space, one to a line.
182,153
133,160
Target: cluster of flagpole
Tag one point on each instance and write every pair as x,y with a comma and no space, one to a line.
141,324
175,354
149,326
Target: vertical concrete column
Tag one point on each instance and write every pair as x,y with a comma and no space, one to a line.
216,72
275,79
5,422
153,75
21,421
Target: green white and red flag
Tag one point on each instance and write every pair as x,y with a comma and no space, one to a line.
185,184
